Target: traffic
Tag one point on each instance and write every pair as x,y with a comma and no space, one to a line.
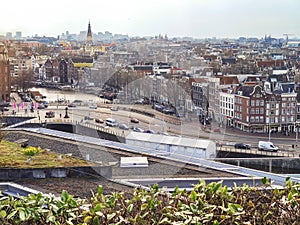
128,118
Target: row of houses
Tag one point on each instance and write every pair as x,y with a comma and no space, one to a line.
65,71
257,104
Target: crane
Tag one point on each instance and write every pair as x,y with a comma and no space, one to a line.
287,37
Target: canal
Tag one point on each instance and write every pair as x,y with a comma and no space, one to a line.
53,95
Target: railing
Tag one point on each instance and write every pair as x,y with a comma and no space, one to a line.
257,152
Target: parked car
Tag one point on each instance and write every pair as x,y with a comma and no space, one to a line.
134,120
50,114
123,126
242,146
137,129
72,105
98,120
45,103
4,109
168,111
87,118
4,104
41,106
94,106
149,131
111,122
140,101
114,108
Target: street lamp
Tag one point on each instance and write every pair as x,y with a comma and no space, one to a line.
66,115
296,126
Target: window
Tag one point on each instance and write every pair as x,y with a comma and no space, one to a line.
252,111
262,103
261,119
251,119
261,110
257,119
257,111
257,102
284,104
252,102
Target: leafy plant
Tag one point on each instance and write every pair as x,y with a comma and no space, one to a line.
210,203
31,151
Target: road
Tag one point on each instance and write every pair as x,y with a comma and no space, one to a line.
189,128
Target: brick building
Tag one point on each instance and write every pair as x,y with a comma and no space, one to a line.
4,75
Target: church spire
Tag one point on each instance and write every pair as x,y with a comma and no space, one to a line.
89,34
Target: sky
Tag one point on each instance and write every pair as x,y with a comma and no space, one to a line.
176,18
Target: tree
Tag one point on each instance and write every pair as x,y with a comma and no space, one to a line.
24,80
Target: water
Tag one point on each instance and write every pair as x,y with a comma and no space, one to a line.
53,95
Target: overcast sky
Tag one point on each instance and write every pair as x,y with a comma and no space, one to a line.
176,18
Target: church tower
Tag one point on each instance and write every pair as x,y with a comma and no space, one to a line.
4,74
89,38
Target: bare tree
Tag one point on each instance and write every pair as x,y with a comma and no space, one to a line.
24,80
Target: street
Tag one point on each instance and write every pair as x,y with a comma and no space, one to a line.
190,127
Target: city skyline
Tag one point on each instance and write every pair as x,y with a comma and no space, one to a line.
192,18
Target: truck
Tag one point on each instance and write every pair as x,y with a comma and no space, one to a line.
267,146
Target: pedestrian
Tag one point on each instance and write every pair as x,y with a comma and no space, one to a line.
60,115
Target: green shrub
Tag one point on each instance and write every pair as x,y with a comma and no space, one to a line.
206,204
31,151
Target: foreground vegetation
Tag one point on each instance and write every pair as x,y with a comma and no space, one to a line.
205,204
12,155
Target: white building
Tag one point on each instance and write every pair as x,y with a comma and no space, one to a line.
227,106
180,147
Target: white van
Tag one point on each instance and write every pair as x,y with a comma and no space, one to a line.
111,122
267,146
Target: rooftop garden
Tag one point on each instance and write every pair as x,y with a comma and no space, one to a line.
12,155
212,204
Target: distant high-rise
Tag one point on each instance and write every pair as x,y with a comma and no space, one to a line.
89,37
9,35
18,35
4,74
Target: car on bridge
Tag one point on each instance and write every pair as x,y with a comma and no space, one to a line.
242,146
50,114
